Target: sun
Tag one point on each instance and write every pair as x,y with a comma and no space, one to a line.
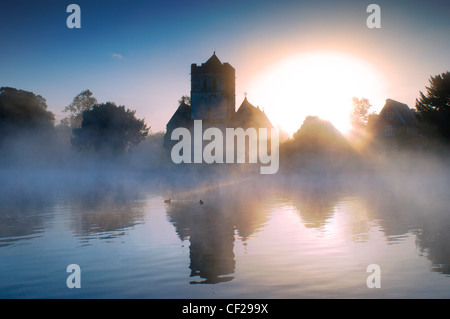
315,83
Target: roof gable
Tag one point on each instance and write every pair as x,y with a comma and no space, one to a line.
182,116
402,112
250,116
213,61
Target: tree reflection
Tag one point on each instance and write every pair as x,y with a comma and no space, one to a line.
104,211
23,215
433,240
315,201
402,213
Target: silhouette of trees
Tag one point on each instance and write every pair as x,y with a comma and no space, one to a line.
433,108
186,99
371,120
317,134
82,102
317,143
109,129
23,111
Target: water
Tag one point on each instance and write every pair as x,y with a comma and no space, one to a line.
293,237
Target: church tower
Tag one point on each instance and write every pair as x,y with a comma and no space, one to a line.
213,96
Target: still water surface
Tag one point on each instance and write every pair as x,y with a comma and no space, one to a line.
292,238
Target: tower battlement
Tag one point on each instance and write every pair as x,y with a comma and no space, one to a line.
213,97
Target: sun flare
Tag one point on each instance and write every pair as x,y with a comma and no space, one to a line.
316,83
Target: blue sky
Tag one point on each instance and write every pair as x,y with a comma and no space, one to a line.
138,53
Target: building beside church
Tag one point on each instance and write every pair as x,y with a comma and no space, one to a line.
396,127
213,100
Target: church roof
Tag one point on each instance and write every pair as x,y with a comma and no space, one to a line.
250,116
181,117
213,65
213,61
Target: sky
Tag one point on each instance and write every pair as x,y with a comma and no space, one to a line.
138,53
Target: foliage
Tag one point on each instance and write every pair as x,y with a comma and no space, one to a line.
316,133
23,111
316,145
186,99
433,108
82,102
371,121
316,136
109,129
360,112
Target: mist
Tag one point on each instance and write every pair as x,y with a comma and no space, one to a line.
89,196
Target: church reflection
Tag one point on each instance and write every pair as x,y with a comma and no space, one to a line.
212,229
211,237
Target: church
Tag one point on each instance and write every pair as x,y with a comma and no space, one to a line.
213,100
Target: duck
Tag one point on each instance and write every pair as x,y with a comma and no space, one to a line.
167,201
201,202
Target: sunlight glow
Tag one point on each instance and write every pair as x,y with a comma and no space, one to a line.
316,83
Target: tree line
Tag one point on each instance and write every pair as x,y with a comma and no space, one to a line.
100,127
432,111
113,130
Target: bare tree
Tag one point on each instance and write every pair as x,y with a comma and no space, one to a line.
82,102
360,112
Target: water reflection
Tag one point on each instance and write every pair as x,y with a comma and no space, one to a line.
433,240
104,211
314,204
211,228
423,213
353,210
211,237
303,227
95,207
23,213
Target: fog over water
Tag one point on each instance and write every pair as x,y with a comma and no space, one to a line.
311,149
303,232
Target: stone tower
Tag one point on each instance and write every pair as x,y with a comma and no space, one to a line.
213,96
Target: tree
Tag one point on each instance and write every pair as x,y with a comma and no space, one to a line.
318,134
186,99
433,108
316,145
371,121
109,129
82,102
23,111
360,113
